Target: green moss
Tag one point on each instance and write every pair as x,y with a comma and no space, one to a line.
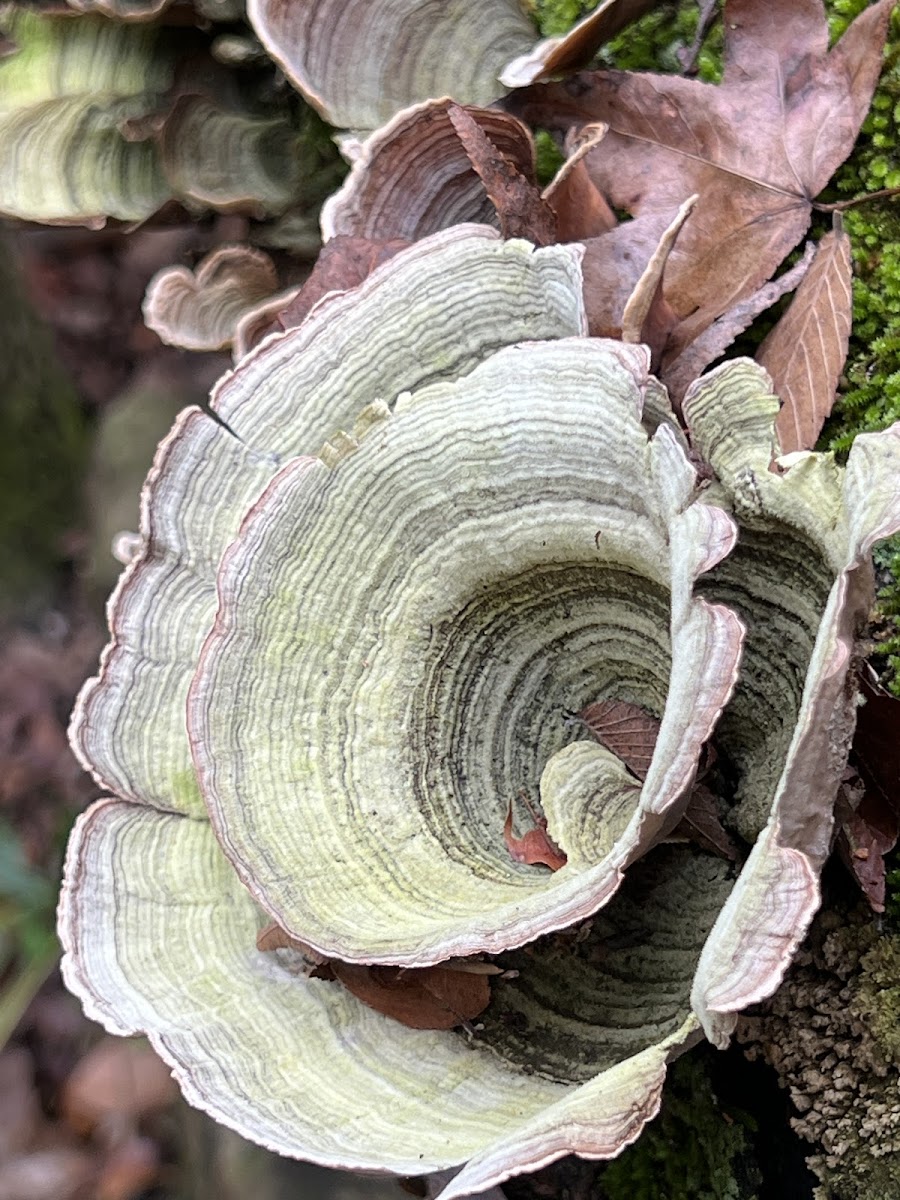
692,1151
548,155
877,998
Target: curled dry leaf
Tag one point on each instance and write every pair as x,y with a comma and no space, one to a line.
614,264
806,350
201,309
648,317
868,831
439,997
424,998
581,210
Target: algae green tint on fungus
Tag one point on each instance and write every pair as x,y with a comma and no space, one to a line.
434,522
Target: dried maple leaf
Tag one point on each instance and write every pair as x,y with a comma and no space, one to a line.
522,210
715,340
806,351
756,148
536,846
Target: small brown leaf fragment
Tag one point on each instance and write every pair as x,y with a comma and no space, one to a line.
867,833
421,998
536,846
561,55
438,997
522,210
625,730
806,351
613,265
701,825
343,263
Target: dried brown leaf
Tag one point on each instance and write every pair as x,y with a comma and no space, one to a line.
701,825
556,56
422,998
648,317
867,832
806,350
714,341
522,210
625,730
756,148
612,266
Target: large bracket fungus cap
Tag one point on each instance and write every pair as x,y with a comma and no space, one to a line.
159,931
504,550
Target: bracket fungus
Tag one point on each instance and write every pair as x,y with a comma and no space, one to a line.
431,524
